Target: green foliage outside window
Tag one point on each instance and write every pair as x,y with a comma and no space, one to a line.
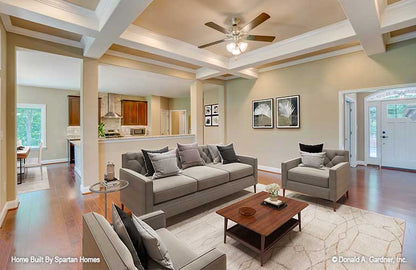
29,126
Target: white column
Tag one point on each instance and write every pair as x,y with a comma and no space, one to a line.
89,123
197,111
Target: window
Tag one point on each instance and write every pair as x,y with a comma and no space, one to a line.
31,124
395,111
372,120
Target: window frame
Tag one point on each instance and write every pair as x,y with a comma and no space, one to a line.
42,120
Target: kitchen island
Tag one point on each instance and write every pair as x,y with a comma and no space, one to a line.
111,149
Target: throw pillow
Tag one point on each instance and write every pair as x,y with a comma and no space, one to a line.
227,153
148,163
128,233
315,160
317,148
215,154
189,155
155,248
164,164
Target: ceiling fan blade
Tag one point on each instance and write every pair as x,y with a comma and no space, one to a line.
210,44
254,23
260,38
217,27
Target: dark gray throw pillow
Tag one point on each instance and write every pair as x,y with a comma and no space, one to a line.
130,236
227,154
189,155
149,167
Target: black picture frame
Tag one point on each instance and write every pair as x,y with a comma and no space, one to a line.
215,109
215,120
208,121
288,112
208,110
262,113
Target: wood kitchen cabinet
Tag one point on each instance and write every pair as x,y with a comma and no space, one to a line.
134,112
74,110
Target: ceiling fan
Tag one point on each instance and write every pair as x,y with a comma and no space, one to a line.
235,34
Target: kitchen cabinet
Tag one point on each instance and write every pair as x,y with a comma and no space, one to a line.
74,110
134,112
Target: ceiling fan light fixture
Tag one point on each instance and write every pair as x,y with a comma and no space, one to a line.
236,48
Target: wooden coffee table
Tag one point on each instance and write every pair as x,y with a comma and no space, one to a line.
261,231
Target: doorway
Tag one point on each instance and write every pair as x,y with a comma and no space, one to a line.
178,123
390,132
350,127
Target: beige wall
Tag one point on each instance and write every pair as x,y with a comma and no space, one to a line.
318,84
56,101
3,163
214,94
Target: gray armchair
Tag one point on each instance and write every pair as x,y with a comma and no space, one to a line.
330,182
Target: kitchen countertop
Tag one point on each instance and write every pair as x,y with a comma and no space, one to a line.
146,137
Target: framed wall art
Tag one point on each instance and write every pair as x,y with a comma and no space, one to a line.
262,113
288,112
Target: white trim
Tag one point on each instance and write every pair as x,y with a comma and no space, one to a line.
399,15
314,58
85,190
7,206
149,61
361,162
269,169
52,161
403,37
354,128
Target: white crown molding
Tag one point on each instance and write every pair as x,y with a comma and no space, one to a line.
21,31
322,38
68,7
149,61
314,58
403,37
7,206
398,16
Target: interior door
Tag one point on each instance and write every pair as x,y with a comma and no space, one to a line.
348,131
164,122
182,122
398,135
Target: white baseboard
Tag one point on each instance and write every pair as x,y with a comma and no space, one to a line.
269,169
85,190
361,162
7,206
51,161
77,171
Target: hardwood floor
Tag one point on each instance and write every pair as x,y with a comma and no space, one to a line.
49,222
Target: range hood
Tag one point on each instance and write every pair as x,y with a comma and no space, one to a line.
111,113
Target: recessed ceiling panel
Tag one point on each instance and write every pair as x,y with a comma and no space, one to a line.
44,29
88,4
403,31
185,19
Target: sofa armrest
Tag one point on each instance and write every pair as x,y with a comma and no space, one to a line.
138,196
250,161
211,260
156,220
339,180
286,166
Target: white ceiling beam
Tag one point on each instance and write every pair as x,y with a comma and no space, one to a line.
138,38
208,73
122,16
364,18
248,73
399,15
54,13
322,38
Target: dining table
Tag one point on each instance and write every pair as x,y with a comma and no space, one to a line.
22,154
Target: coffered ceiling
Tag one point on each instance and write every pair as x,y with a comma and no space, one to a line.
167,32
185,19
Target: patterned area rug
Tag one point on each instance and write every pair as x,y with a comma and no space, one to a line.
36,179
327,237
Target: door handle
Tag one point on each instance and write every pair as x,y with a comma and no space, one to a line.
384,136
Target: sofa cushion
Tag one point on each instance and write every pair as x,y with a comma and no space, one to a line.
179,253
207,177
173,187
164,164
236,170
334,157
310,176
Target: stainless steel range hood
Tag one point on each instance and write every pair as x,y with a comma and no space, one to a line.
111,113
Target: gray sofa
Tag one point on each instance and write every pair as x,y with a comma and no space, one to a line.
101,241
330,183
194,187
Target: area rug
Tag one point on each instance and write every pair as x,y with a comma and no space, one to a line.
327,238
35,179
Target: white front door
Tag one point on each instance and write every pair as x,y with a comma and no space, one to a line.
398,135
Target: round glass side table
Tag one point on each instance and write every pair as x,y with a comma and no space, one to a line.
101,188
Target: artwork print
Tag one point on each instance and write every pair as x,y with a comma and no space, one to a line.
288,112
262,113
